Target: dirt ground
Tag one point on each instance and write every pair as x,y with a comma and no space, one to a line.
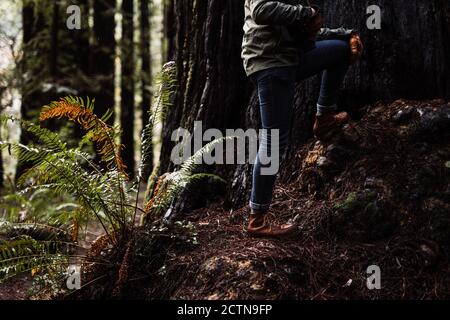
16,288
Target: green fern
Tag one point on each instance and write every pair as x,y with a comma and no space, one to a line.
97,130
26,254
38,205
97,191
179,180
63,170
167,85
35,230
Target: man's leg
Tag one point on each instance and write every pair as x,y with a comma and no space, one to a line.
331,57
276,89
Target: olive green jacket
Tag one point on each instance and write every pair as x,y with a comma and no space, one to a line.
267,41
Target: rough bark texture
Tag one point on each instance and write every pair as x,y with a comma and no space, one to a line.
409,58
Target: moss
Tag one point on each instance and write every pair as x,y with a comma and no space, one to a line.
356,201
363,217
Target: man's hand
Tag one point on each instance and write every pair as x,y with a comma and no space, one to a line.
356,47
315,24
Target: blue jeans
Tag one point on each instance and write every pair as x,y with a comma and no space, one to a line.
276,90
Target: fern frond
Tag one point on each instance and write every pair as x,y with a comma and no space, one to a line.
98,132
167,85
24,153
21,255
61,173
192,163
48,138
178,181
37,231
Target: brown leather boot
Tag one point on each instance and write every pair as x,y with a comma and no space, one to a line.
329,124
258,227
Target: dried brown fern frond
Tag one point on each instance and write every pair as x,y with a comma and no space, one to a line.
159,190
98,131
123,270
74,229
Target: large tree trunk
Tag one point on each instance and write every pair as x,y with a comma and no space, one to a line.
211,81
409,57
127,84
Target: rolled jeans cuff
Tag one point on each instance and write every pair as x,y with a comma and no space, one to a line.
325,109
259,207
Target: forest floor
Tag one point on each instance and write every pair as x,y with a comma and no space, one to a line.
16,288
379,194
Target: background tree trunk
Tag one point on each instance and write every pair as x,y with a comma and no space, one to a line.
74,61
408,58
35,60
103,55
127,84
54,30
55,60
35,65
146,59
169,32
2,170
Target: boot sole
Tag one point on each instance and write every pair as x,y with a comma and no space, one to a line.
278,236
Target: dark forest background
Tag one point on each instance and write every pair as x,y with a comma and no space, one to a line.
110,59
204,39
378,193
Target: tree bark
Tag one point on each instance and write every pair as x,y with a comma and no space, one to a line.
127,85
408,58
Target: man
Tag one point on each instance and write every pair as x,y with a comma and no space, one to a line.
284,42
